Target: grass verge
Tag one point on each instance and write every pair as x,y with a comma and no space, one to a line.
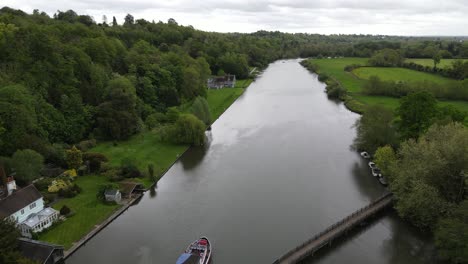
88,211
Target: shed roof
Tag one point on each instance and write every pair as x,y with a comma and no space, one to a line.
111,192
37,250
18,200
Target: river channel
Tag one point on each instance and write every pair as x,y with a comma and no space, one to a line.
278,168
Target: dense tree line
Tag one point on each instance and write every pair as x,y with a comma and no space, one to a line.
68,78
451,91
422,150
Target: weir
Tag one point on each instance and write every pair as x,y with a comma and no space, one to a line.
335,231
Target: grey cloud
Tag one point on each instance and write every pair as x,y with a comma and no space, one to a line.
410,17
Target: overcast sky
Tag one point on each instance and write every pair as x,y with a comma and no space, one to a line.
389,17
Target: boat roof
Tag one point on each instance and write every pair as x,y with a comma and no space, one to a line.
187,258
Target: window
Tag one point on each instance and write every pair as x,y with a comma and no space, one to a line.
22,211
31,206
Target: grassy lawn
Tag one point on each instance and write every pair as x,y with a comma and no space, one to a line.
145,148
354,82
400,74
243,83
88,212
429,62
219,100
335,68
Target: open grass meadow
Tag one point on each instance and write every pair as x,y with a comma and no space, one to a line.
219,100
429,62
88,211
354,81
400,74
145,148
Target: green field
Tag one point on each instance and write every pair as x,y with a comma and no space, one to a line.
429,62
88,212
354,82
335,68
219,100
399,74
146,148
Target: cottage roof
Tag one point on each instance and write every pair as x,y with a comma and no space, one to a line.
111,192
18,200
37,250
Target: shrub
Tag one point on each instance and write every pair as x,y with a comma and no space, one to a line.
65,210
86,144
70,192
322,77
57,185
350,68
129,169
43,184
95,160
335,90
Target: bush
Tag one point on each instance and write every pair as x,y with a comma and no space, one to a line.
129,169
65,210
86,144
323,77
350,68
95,160
335,90
70,192
43,184
187,130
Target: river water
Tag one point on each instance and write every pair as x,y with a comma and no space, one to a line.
278,168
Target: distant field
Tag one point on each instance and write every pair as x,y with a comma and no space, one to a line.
335,68
429,62
399,74
354,82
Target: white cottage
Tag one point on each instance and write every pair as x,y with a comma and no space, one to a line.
26,208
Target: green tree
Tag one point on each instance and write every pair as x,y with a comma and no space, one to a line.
451,236
188,129
417,112
386,58
74,158
27,164
117,117
385,158
18,117
436,58
375,129
9,248
201,110
429,176
423,205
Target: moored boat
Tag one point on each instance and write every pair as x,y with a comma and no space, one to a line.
198,252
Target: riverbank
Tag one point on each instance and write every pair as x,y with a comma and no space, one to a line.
355,100
90,215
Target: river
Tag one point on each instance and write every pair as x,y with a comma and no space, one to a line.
278,168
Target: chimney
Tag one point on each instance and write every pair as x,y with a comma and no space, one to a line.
11,185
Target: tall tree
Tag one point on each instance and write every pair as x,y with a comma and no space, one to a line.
375,129
417,112
27,164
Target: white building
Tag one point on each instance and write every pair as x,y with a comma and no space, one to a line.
26,207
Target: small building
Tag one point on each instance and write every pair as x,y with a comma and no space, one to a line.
130,189
226,81
113,195
26,208
41,252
